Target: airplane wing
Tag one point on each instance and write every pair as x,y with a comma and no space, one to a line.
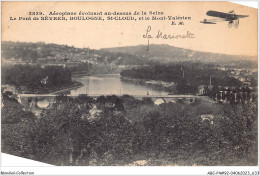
226,16
219,14
242,16
207,22
212,21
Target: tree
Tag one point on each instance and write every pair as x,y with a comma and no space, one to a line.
64,132
31,77
18,128
239,127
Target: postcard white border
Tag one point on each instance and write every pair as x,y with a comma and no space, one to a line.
10,163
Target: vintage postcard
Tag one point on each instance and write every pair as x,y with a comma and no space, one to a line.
130,83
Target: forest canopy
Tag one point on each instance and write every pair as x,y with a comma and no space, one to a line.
187,76
123,130
36,77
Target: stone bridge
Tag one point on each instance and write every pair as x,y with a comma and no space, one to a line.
46,101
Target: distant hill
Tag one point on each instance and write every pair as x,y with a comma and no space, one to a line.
35,52
130,55
167,53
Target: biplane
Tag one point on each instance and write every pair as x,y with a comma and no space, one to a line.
231,17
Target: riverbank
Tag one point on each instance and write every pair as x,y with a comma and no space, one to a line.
158,85
97,71
77,76
56,90
94,74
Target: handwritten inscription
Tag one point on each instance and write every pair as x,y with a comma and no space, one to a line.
161,35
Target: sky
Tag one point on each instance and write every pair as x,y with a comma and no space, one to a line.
217,38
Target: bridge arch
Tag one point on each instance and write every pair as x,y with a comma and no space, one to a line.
159,101
43,103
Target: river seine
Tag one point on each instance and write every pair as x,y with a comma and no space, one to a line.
111,84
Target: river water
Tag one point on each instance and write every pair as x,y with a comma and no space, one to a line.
111,84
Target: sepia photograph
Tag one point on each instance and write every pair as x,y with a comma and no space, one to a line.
130,83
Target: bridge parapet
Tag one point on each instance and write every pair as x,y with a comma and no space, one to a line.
46,101
98,95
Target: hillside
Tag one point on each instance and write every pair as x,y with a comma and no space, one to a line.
130,55
54,53
167,53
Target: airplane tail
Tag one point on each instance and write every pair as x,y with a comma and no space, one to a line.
205,21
